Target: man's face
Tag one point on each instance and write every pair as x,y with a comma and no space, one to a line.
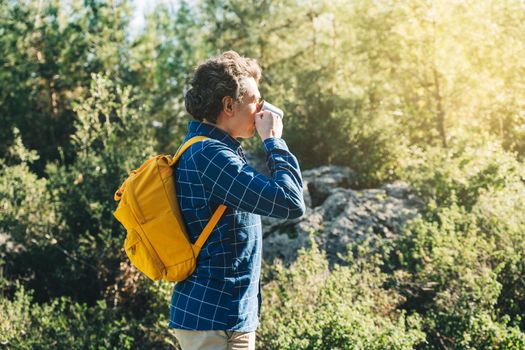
242,124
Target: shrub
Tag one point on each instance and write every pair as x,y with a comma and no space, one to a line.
65,324
459,263
60,324
451,274
461,172
309,307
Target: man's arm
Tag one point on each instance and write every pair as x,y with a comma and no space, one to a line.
237,185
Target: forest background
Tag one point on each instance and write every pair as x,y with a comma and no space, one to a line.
431,93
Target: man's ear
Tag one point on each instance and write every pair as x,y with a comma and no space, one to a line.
227,105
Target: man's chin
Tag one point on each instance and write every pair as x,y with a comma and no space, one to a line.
249,134
246,136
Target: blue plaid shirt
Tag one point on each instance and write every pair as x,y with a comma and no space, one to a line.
224,291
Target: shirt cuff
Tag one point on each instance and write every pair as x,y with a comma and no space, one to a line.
272,143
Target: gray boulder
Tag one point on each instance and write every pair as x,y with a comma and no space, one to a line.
346,216
321,181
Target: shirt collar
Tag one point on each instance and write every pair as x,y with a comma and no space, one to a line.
197,128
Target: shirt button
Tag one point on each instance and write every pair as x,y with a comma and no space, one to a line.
241,153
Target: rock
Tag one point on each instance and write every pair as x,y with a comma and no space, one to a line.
283,247
346,216
306,195
271,225
285,241
320,181
397,189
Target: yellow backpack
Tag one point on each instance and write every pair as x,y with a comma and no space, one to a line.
157,242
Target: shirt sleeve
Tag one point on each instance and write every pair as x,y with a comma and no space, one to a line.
232,182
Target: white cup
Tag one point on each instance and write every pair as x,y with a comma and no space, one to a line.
267,106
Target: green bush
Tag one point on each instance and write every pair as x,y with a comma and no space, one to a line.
65,324
27,211
351,128
461,172
459,263
501,218
60,324
309,307
452,274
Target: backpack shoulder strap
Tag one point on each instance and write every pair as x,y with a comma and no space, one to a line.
185,146
203,237
208,228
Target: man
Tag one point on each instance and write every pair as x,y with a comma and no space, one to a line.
218,306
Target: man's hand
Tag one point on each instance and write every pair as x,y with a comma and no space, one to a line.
268,124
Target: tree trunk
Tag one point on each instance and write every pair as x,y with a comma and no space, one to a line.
440,112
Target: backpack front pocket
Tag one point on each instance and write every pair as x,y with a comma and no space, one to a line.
169,239
143,256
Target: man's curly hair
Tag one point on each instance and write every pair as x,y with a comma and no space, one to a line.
216,78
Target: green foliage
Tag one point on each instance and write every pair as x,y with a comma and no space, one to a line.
309,307
60,324
461,172
460,260
453,274
111,140
500,217
162,58
28,218
65,324
49,50
27,213
58,233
